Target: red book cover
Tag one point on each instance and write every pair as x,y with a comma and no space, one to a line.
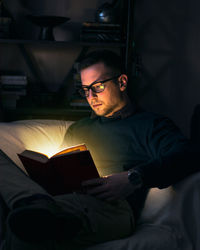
62,173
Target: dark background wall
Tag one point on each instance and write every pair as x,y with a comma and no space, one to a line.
167,40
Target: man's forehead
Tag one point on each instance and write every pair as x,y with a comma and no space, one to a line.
93,73
97,67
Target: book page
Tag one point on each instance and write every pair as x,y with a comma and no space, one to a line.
80,147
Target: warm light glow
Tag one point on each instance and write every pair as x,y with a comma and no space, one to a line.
44,148
49,151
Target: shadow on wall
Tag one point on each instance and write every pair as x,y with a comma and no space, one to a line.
77,10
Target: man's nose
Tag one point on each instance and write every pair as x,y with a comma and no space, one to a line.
91,94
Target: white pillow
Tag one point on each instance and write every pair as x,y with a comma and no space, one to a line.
37,135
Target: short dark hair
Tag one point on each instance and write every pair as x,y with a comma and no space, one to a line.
111,59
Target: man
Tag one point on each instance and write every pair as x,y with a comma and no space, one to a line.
132,149
121,136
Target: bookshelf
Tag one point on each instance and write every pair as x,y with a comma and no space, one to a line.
59,111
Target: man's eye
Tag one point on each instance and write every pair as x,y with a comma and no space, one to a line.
98,87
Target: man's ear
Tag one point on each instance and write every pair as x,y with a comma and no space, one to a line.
123,80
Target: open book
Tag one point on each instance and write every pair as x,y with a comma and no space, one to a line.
63,172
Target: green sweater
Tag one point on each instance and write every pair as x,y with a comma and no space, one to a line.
148,142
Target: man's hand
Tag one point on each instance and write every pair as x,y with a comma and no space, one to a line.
109,188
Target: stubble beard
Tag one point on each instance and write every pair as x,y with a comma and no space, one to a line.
106,112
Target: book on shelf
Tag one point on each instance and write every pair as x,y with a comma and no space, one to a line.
100,37
97,25
13,84
100,32
63,172
17,92
13,79
9,100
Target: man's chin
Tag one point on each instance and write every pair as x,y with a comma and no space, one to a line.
99,112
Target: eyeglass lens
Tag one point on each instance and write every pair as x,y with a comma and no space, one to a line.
96,87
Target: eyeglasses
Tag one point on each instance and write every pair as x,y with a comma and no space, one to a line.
96,87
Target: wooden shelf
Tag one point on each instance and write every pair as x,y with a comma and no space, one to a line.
45,113
60,43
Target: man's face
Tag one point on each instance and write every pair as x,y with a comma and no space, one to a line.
111,99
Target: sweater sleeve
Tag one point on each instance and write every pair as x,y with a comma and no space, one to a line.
174,156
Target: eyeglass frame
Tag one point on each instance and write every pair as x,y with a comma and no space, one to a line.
82,91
